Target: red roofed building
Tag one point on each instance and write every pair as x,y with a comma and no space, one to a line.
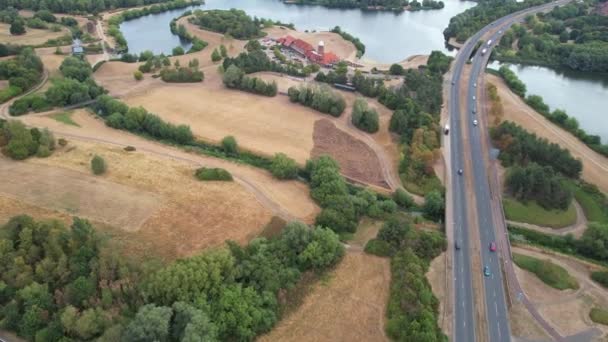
305,49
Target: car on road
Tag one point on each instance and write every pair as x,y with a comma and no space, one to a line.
492,246
486,271
474,122
474,86
474,111
460,171
474,98
457,245
453,82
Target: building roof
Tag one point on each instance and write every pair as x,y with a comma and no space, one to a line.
286,41
301,45
329,58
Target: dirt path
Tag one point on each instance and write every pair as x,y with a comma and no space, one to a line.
595,166
577,229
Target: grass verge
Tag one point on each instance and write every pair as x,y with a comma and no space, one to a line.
533,213
550,273
66,118
599,316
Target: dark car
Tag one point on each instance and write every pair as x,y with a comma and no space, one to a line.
460,171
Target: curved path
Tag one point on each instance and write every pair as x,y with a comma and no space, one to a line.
576,229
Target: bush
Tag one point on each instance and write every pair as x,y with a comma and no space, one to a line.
212,174
378,247
178,51
434,205
138,75
62,142
403,199
600,277
599,316
216,56
98,165
230,145
363,117
17,27
550,273
283,167
396,69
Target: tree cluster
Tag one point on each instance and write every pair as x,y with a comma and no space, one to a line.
518,147
572,36
238,288
18,142
138,120
235,78
320,98
256,60
283,167
540,184
82,7
363,117
233,22
342,208
464,25
58,283
180,30
514,83
212,174
182,74
22,72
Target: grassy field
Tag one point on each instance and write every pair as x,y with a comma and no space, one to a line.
591,204
550,273
66,118
533,213
599,316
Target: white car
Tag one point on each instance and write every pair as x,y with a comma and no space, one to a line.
474,122
474,98
474,86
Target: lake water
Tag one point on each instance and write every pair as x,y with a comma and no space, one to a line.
582,95
388,37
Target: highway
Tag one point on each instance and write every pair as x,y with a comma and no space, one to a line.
468,143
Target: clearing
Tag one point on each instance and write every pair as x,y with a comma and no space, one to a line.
567,310
77,193
595,166
31,36
193,215
531,212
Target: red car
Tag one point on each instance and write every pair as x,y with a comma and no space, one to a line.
493,246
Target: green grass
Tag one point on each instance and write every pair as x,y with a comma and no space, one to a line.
421,186
66,118
599,316
591,203
550,273
533,213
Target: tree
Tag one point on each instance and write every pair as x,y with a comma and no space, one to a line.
324,249
403,199
363,117
177,51
150,324
98,165
233,76
223,51
21,144
283,167
229,145
433,205
138,75
190,324
215,56
17,27
396,69
76,68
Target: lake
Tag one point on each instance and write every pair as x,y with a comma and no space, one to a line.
582,95
388,37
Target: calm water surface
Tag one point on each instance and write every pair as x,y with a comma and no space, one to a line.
582,95
388,37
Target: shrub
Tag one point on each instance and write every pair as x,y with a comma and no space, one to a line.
363,117
138,75
599,316
378,247
396,69
283,167
403,199
98,165
17,27
212,174
215,56
129,149
550,273
600,277
230,145
62,142
178,50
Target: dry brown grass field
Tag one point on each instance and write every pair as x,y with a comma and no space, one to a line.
31,36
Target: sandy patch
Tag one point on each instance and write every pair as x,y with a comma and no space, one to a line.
349,306
77,194
31,36
333,41
595,166
357,161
